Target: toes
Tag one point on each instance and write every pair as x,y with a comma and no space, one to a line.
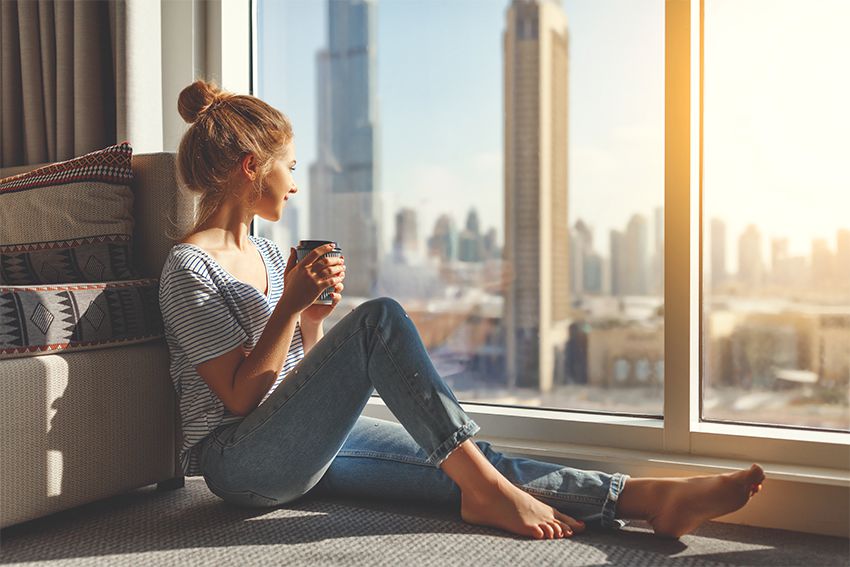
537,532
572,523
558,529
548,530
567,530
756,473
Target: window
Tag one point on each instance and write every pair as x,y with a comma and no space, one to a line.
498,168
442,195
776,284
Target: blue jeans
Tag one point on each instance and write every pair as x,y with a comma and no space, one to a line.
309,434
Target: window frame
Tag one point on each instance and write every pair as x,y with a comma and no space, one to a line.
681,430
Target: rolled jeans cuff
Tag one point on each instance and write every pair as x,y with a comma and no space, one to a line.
609,508
445,449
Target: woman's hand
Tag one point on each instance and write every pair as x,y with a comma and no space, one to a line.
318,312
304,281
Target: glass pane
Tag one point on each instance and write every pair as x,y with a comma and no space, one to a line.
495,166
776,253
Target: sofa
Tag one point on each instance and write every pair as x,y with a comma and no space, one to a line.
79,426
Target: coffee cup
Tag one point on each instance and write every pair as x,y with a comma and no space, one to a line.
304,247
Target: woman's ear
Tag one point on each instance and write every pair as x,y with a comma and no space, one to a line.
249,166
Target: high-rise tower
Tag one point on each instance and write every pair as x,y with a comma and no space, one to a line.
718,252
406,241
344,190
636,258
750,265
536,231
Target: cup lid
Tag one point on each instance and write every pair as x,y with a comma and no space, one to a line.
310,244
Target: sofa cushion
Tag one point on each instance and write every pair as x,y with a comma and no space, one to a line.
70,221
44,319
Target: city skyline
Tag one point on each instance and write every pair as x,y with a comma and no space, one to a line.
441,145
616,141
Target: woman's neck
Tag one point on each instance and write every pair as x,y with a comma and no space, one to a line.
227,228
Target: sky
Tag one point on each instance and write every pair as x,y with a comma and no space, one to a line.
776,118
777,149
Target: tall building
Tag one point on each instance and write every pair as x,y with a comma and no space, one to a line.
406,241
585,264
581,243
657,277
636,258
443,242
536,232
822,263
344,192
594,273
750,264
842,257
470,240
489,243
617,242
779,261
718,252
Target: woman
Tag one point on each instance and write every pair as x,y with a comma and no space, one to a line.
271,408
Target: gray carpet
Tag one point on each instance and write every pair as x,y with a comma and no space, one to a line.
191,526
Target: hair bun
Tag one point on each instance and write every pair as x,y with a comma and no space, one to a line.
197,98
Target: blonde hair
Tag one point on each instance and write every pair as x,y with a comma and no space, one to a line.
224,128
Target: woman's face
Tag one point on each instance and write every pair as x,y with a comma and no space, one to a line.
278,186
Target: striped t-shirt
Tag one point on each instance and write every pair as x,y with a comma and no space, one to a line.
207,312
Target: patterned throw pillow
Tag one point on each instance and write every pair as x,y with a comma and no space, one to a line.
37,320
70,221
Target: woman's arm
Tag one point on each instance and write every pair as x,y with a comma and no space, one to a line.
258,371
241,380
311,333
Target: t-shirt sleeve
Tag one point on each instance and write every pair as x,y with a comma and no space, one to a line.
196,314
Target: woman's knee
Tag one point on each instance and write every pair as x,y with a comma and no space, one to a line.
383,307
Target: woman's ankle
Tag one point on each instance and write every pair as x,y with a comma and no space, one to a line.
639,498
469,468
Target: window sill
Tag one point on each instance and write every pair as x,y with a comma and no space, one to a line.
796,447
779,433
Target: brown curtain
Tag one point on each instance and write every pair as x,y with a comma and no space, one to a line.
63,86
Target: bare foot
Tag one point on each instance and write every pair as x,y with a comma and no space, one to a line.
505,506
691,501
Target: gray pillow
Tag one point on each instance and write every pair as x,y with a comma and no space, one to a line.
70,221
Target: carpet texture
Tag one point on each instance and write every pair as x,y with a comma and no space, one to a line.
191,526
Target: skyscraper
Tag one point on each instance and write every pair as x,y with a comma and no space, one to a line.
718,252
619,270
406,241
822,263
470,241
842,257
581,242
344,193
779,261
750,264
536,231
585,264
442,244
657,278
636,258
